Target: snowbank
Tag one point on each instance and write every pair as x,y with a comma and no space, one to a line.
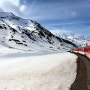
45,72
83,53
80,52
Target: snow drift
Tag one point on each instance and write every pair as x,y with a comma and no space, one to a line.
44,72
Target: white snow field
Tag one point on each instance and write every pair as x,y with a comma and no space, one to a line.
42,72
29,58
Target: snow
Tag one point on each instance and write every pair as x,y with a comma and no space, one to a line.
27,35
77,39
83,53
31,58
80,52
38,72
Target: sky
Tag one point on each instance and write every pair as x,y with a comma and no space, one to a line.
69,15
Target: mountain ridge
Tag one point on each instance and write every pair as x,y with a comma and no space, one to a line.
29,35
77,39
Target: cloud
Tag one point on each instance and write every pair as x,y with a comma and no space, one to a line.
12,6
70,23
60,14
3,2
70,12
50,10
22,8
61,31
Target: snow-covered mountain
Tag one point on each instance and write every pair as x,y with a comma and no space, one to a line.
75,38
27,35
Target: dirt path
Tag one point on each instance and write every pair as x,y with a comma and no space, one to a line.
82,81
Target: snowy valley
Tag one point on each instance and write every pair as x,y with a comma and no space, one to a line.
17,34
44,44
32,58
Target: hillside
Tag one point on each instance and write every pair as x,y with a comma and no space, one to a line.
27,35
78,39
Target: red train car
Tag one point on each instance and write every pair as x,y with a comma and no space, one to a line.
79,49
87,49
83,49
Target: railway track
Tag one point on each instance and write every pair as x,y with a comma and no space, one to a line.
82,81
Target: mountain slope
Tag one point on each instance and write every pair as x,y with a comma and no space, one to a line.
28,35
75,38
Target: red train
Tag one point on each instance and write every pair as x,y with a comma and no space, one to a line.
83,49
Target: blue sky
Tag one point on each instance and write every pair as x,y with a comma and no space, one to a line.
72,15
